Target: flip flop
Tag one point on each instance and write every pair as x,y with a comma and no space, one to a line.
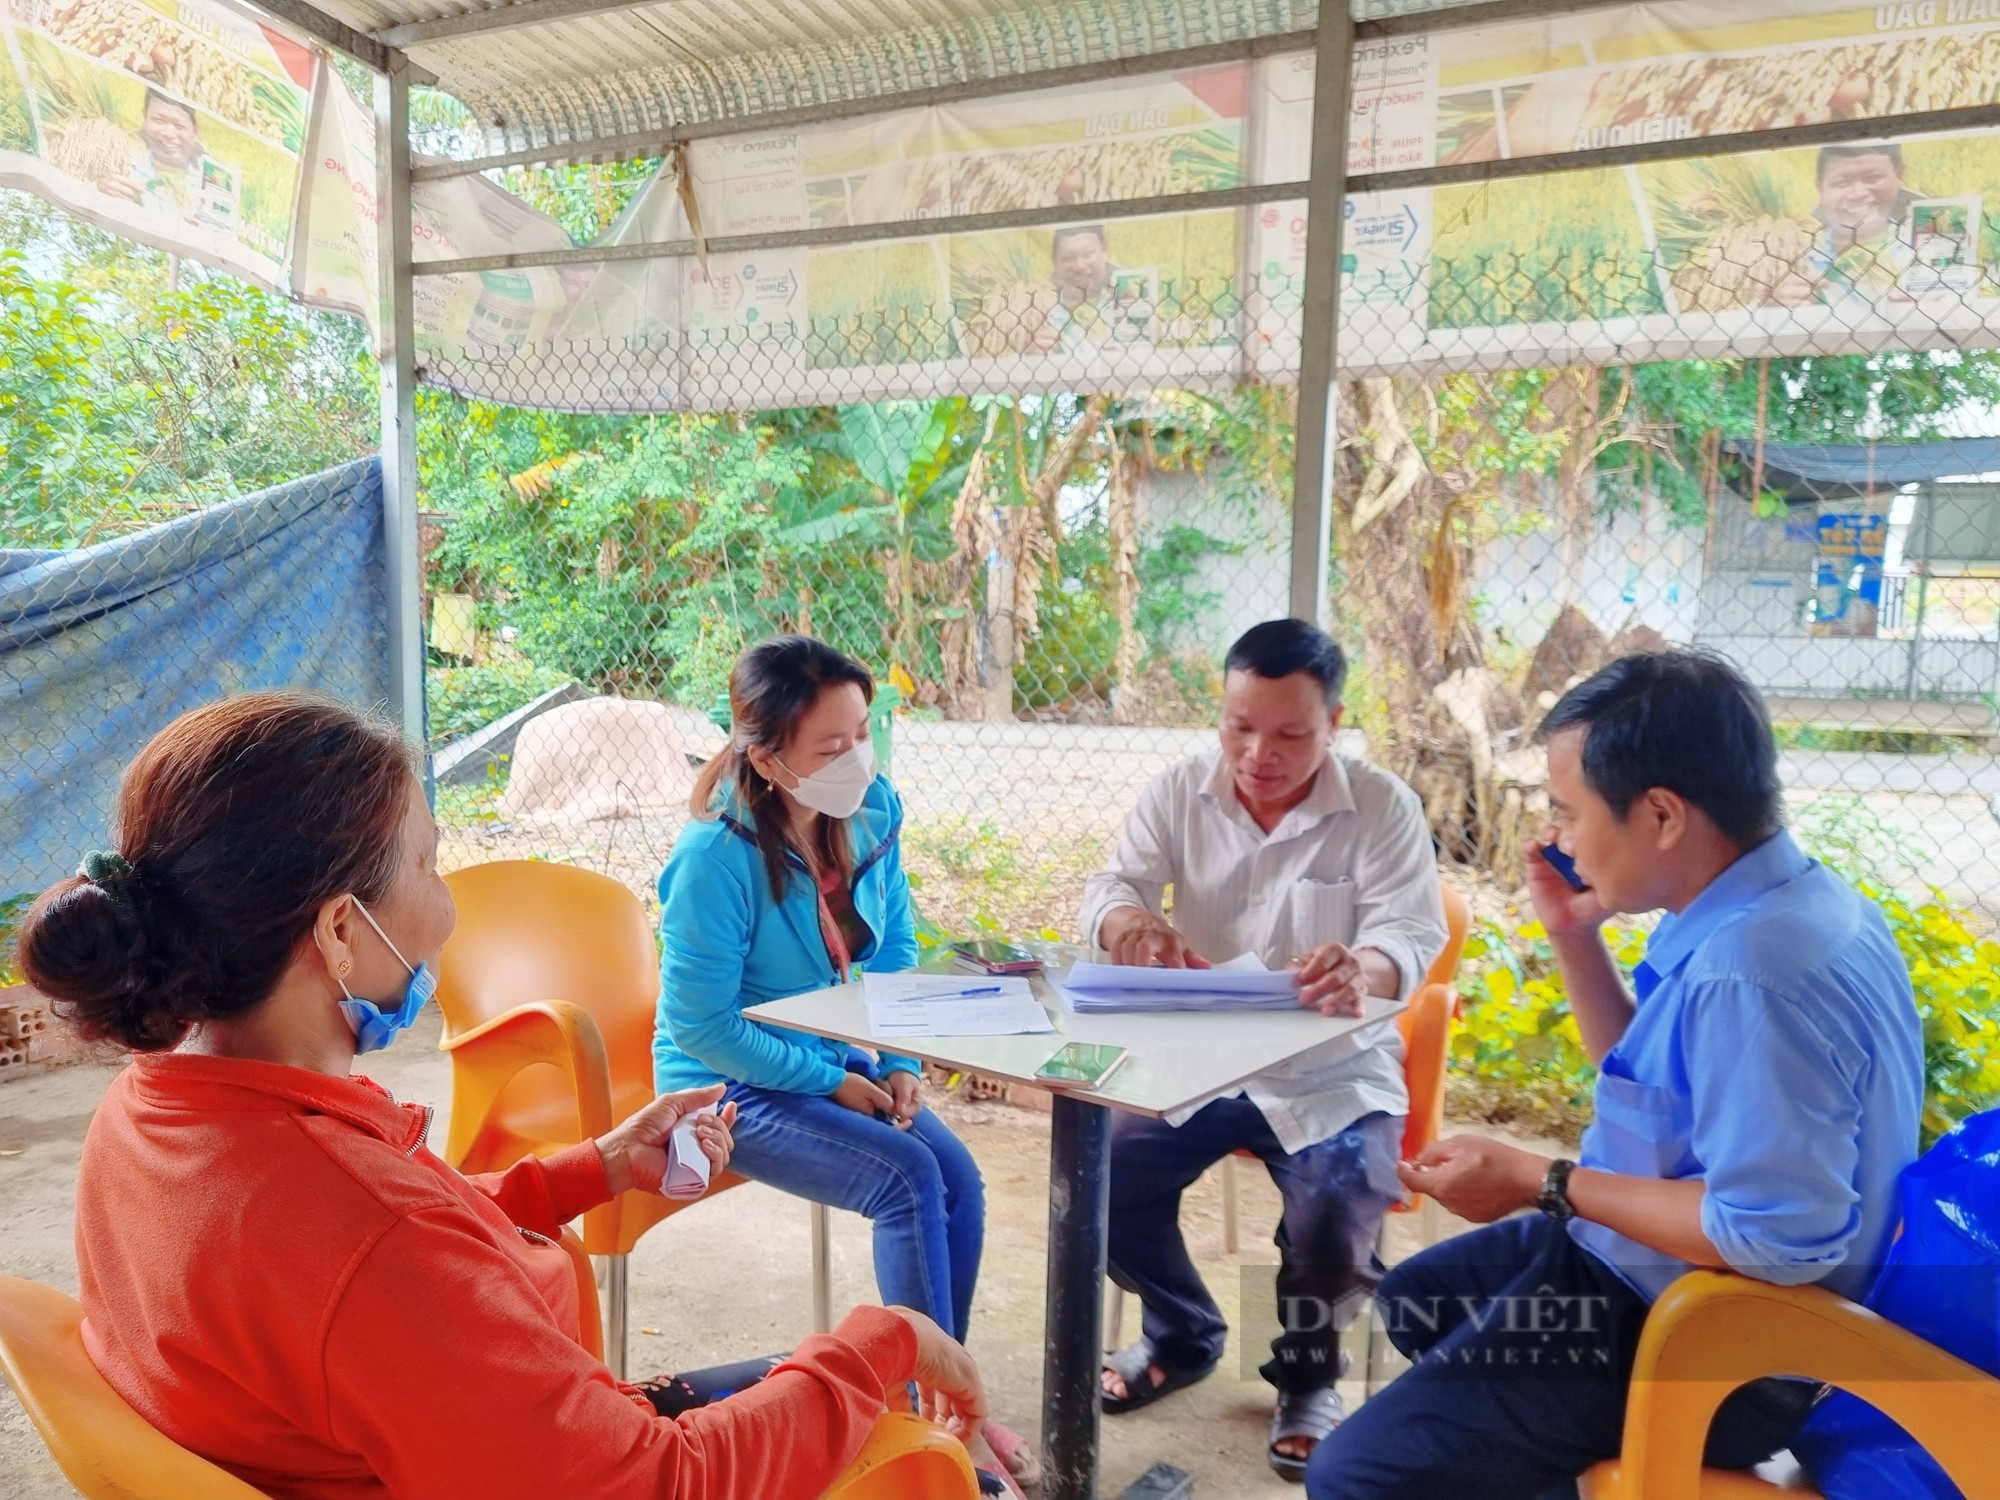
1012,1450
1302,1414
1131,1365
995,1477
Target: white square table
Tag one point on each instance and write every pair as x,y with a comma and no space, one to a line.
1177,1059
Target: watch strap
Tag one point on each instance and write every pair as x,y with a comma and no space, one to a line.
1553,1199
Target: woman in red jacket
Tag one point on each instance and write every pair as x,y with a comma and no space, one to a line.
275,1271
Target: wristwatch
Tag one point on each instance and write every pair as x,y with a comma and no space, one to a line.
1553,1199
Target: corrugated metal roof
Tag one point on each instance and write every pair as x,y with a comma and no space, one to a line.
650,67
550,78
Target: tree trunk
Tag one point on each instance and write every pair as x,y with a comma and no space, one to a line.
1001,638
1028,535
1125,504
974,538
1379,506
1574,397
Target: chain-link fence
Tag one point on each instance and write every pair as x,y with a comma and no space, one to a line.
1044,583
1039,513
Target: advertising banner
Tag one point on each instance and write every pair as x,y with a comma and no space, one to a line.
1867,246
177,125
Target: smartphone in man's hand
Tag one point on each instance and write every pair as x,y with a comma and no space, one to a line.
1564,866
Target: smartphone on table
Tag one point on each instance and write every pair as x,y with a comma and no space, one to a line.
1083,1065
1564,866
993,956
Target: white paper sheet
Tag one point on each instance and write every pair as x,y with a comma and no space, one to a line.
951,1005
687,1163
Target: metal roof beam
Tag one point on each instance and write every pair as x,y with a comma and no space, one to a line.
866,234
660,142
1479,13
553,12
309,19
502,18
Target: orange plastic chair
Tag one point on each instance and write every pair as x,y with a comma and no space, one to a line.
110,1452
908,1458
104,1448
548,987
1711,1332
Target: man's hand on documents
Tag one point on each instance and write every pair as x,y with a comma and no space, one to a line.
1331,980
1131,935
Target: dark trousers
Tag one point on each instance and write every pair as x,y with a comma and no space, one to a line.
1335,1194
672,1395
1522,1348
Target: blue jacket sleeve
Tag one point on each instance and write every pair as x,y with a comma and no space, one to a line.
1777,1126
705,912
897,948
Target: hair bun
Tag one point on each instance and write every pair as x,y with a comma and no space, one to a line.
84,946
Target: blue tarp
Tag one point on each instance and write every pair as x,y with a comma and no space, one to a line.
101,647
1836,470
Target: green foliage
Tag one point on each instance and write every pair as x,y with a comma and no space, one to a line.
1876,741
67,430
1069,660
1516,1040
1956,975
1520,1056
976,878
131,391
1672,415
474,804
628,563
462,699
12,910
1170,603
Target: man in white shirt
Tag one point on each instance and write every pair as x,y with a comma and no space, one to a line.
1277,846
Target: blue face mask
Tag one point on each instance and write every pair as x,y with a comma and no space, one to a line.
374,1028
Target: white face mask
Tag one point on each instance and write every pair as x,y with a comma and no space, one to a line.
838,787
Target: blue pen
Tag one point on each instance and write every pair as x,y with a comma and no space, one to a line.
991,989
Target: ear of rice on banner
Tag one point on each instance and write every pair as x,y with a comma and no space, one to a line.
87,143
1743,237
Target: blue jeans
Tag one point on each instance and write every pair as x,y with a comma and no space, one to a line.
920,1186
1522,1345
1335,1194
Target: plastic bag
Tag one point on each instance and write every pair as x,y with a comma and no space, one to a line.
1942,1283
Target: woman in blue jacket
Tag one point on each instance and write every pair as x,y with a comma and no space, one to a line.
789,880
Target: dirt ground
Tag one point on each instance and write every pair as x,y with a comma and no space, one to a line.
752,1242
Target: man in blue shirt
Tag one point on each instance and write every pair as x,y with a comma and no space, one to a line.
1758,1094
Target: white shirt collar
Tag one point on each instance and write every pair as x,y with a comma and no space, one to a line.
1331,793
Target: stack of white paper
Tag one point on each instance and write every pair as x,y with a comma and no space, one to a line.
687,1163
1241,984
951,1005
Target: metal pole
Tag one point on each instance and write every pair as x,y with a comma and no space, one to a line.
822,1273
1079,1200
884,230
1326,208
396,348
1927,498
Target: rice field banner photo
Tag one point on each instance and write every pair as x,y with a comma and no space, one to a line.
177,123
1862,247
1859,247
1688,69
1121,304
1127,302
